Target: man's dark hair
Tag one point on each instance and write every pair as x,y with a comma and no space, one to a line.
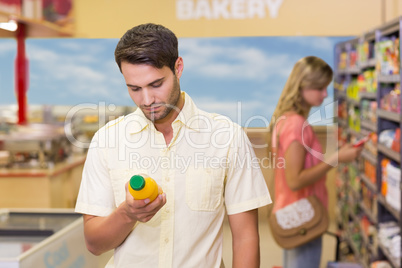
149,43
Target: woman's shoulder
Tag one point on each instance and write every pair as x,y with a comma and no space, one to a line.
294,116
292,120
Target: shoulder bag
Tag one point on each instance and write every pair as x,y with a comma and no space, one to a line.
300,222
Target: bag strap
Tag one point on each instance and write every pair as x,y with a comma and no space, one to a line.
275,140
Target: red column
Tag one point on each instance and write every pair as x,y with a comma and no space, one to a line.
21,75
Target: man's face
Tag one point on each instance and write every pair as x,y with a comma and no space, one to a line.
155,91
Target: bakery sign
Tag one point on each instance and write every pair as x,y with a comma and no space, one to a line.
227,9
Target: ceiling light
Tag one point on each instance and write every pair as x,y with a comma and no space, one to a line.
11,25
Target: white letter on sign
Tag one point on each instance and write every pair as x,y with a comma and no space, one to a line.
256,7
220,9
203,9
184,9
274,6
238,9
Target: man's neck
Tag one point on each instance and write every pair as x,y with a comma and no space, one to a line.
165,125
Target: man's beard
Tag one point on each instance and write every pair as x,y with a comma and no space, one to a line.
169,106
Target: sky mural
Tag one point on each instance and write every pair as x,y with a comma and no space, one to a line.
240,77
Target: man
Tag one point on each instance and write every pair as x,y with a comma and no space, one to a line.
203,162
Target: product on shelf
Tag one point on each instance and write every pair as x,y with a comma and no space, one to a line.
393,193
390,183
353,58
368,109
343,61
389,236
370,171
392,101
368,230
354,119
342,137
352,90
342,110
390,138
365,51
11,6
387,52
59,12
366,81
380,264
384,176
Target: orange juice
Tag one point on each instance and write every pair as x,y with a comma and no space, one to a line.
143,187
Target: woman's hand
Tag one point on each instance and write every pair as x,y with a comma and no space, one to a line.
348,153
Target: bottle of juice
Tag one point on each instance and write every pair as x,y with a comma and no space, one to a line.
143,187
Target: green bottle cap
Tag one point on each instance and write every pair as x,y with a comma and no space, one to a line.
137,182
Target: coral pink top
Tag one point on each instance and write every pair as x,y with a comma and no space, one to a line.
295,127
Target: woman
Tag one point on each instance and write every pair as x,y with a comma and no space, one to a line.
304,170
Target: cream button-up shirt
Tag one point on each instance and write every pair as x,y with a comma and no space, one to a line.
208,169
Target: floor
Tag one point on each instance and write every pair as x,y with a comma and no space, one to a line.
271,254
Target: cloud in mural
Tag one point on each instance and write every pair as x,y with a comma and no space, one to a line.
219,73
218,58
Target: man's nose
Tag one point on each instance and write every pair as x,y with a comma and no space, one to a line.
147,97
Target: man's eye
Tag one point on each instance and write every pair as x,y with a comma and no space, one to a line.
134,88
157,84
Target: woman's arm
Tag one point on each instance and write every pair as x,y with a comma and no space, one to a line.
297,177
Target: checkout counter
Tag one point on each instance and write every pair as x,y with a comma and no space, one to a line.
38,168
45,238
40,175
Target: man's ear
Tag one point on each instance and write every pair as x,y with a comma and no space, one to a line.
178,67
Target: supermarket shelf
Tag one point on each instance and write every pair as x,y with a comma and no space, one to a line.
35,28
356,134
350,70
355,250
368,183
342,122
389,153
370,246
392,78
369,157
340,93
392,260
368,125
394,212
353,102
368,95
371,154
370,63
370,215
389,115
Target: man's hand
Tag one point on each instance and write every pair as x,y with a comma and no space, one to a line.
143,210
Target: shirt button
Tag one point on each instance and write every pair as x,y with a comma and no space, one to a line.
167,210
167,179
166,240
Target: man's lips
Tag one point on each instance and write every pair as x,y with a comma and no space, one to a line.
153,108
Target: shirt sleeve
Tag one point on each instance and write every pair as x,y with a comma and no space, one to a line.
95,196
245,187
294,128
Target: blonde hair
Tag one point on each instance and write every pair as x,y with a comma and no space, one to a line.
308,72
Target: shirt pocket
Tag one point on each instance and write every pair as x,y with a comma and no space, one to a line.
204,188
119,177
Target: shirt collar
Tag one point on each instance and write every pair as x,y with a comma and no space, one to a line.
188,116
